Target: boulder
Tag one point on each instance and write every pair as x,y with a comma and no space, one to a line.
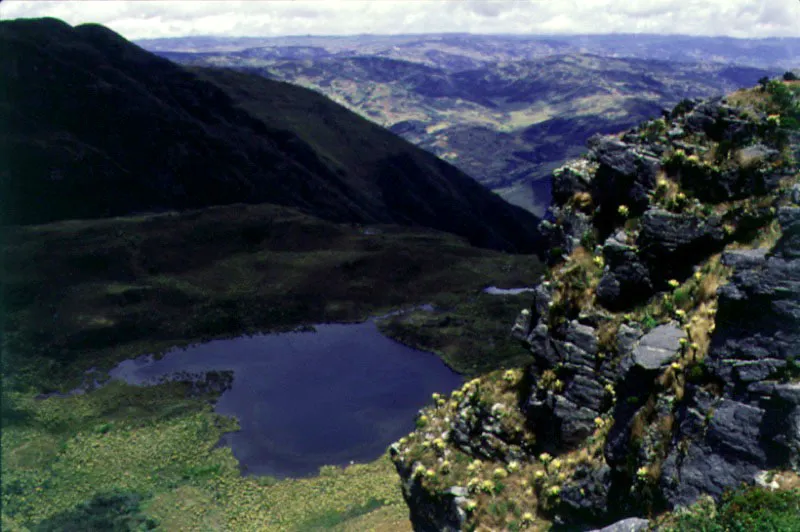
626,280
655,350
671,244
585,498
627,336
731,453
631,524
625,176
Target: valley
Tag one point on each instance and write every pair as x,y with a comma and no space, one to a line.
506,111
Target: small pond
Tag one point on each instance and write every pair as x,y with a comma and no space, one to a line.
305,399
506,291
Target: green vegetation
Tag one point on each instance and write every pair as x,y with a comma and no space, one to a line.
471,335
157,462
114,512
744,510
89,294
83,294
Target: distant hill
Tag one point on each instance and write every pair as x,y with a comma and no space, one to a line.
509,124
95,126
464,51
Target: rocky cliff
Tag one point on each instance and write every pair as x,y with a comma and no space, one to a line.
665,337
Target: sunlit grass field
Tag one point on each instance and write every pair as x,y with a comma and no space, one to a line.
161,445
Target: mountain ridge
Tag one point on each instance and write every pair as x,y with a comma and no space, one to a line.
130,132
507,124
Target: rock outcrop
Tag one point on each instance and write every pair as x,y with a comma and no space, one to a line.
666,364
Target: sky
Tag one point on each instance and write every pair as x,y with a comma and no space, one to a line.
144,19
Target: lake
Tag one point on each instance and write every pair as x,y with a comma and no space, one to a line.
305,399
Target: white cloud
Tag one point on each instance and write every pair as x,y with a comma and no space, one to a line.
139,19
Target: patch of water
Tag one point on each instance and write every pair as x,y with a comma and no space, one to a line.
336,395
493,290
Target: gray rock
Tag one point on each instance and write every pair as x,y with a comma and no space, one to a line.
789,245
429,513
744,258
734,431
671,244
795,194
756,424
626,280
587,391
574,422
582,336
566,234
625,176
658,347
631,524
586,498
731,454
751,370
719,122
627,336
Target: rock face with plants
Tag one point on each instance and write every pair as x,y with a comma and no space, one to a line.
665,336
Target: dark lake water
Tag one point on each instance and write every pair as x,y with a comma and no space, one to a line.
307,399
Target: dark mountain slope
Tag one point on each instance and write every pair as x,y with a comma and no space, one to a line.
95,126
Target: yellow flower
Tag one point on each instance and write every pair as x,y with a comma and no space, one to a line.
545,458
500,473
673,283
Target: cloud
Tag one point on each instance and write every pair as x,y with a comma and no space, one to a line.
139,19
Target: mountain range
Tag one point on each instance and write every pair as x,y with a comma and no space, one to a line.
506,111
97,126
465,51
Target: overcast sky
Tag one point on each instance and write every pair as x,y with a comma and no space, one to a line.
148,19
